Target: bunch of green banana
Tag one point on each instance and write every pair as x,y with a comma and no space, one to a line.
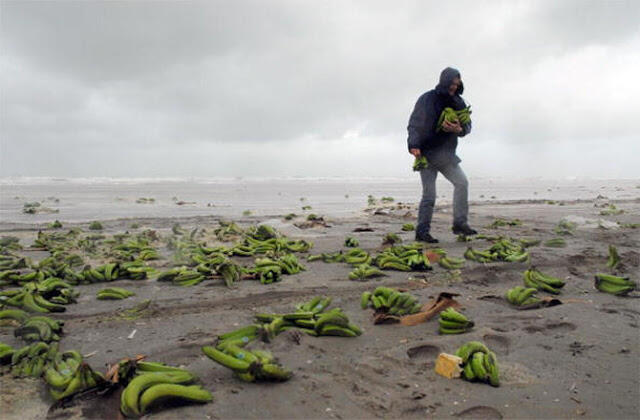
403,258
365,271
614,259
155,383
31,360
327,257
114,293
241,336
537,280
555,243
462,116
15,277
68,377
527,242
249,366
615,285
288,263
451,263
230,272
13,262
356,256
266,270
351,242
408,227
420,163
479,363
39,328
503,250
181,276
522,296
13,316
227,230
391,301
311,318
32,300
453,322
498,222
6,353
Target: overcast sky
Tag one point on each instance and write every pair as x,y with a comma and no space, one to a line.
315,88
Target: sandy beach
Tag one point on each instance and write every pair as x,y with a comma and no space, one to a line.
577,359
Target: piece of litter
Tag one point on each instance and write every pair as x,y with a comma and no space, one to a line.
130,336
93,353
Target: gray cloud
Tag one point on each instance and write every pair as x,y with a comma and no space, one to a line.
142,80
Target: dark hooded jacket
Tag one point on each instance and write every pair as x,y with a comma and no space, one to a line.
438,147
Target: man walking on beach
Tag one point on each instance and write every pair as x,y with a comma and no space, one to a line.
439,147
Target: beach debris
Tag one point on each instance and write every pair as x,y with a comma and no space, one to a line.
535,279
391,239
306,207
289,216
364,271
132,334
614,259
387,199
354,256
419,163
363,229
145,200
431,309
351,242
448,365
479,363
453,322
183,203
615,285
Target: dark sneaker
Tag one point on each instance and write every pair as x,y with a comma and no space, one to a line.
464,230
426,237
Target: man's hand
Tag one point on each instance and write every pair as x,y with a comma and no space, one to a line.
415,152
451,127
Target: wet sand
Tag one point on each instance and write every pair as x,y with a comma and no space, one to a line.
578,359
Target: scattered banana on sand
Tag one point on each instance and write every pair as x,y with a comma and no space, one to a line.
614,259
453,322
537,280
522,296
615,285
391,301
114,293
364,272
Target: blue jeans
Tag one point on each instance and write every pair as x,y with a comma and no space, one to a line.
456,176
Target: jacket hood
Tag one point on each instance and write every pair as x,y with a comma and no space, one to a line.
446,78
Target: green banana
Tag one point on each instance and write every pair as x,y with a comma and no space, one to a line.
161,392
477,364
226,360
468,349
130,399
491,366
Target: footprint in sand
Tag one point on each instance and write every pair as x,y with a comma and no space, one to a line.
550,328
480,412
498,343
424,352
